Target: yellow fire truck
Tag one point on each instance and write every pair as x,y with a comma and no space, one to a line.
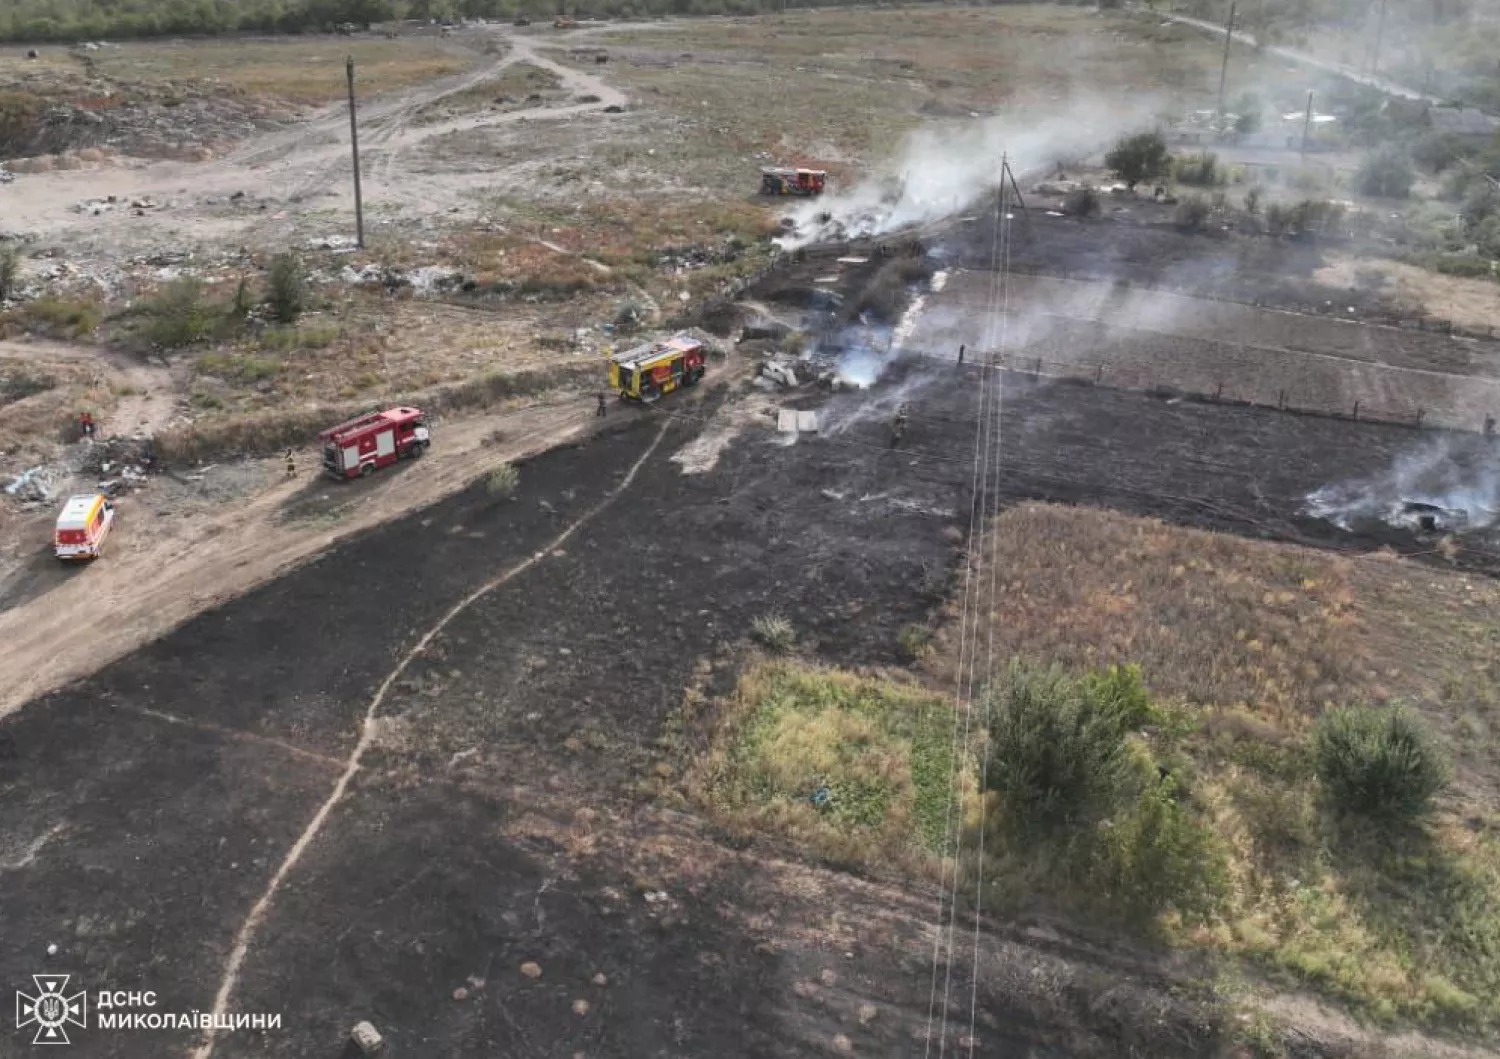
646,372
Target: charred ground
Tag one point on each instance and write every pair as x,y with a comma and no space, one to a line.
496,820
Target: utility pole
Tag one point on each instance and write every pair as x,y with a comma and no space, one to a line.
1379,33
1306,125
359,206
1224,69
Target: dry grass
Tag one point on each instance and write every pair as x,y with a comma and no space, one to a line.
267,432
838,88
1210,619
1255,639
309,72
1468,303
856,768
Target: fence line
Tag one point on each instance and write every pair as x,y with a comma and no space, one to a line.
1285,399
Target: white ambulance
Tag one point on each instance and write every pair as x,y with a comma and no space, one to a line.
82,526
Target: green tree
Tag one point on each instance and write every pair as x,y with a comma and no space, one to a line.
10,271
286,288
1140,157
1386,173
1380,763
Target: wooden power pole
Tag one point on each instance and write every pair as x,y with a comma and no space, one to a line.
1379,33
359,206
1224,68
1306,126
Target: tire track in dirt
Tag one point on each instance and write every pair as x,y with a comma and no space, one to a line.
247,931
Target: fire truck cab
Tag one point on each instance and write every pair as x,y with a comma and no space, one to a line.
374,440
647,372
792,181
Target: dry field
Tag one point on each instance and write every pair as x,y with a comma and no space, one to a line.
1251,641
304,72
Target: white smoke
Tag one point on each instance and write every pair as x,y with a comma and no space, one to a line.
941,171
1439,474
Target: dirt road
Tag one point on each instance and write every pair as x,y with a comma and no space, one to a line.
307,164
147,399
159,571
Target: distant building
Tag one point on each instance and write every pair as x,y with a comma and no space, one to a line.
1466,123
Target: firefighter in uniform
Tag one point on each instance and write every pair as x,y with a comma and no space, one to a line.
291,464
898,428
86,423
600,411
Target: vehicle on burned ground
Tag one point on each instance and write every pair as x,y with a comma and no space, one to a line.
647,372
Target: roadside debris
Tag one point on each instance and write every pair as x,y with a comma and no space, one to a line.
367,1038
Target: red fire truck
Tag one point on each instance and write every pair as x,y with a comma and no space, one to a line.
374,440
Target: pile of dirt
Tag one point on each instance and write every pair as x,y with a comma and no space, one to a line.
64,116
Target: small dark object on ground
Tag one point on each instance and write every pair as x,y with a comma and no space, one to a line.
32,54
601,58
614,108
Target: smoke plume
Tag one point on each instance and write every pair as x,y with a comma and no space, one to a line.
943,170
1445,473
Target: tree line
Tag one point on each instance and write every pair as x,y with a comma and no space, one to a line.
63,21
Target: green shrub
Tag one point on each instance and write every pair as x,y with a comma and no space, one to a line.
286,288
1386,173
1158,857
914,642
65,317
1192,213
10,271
774,632
179,315
1057,754
1201,170
1379,763
1143,156
503,481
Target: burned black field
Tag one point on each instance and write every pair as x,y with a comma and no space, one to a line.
496,819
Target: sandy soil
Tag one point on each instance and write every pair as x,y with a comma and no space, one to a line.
304,167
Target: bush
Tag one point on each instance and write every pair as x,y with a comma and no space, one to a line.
64,317
914,642
503,481
178,315
1387,173
1437,151
10,271
1057,755
1083,202
1379,763
1201,170
774,632
1140,157
1192,213
286,288
1158,857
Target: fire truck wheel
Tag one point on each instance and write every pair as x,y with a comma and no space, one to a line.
366,470
417,449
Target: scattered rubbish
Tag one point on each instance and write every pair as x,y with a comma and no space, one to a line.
30,485
6,176
531,969
656,897
367,1038
853,260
